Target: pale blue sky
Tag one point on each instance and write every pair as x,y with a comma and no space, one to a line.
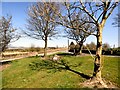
19,12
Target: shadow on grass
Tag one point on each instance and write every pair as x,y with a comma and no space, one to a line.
65,54
56,66
8,62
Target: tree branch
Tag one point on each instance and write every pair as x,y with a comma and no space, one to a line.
84,9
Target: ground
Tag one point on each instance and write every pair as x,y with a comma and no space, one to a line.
69,72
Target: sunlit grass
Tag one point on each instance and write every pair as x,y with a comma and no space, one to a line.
21,75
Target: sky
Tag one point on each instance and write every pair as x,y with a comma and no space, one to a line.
18,10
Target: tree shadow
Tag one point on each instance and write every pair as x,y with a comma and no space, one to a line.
56,66
3,63
65,54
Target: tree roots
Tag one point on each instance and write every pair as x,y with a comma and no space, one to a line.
97,83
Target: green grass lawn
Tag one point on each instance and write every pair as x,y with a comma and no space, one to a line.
33,72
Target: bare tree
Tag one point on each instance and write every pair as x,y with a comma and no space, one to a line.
116,22
77,34
106,46
91,46
74,25
98,13
40,22
7,33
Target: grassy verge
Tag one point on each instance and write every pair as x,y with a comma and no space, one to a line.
33,72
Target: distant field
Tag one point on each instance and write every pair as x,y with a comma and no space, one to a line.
33,72
15,54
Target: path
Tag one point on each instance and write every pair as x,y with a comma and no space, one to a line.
49,53
4,63
102,55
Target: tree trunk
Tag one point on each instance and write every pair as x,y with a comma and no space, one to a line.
45,48
97,62
81,45
78,50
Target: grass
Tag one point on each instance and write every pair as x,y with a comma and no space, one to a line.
33,72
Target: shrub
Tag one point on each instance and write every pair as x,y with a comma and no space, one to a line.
72,47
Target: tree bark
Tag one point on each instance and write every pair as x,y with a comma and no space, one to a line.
97,62
45,48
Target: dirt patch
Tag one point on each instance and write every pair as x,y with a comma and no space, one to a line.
4,66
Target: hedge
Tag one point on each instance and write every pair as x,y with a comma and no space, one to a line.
108,52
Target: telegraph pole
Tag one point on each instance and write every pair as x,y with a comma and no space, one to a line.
68,44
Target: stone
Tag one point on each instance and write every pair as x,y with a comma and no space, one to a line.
56,57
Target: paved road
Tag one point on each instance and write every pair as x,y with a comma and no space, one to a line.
103,55
111,56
